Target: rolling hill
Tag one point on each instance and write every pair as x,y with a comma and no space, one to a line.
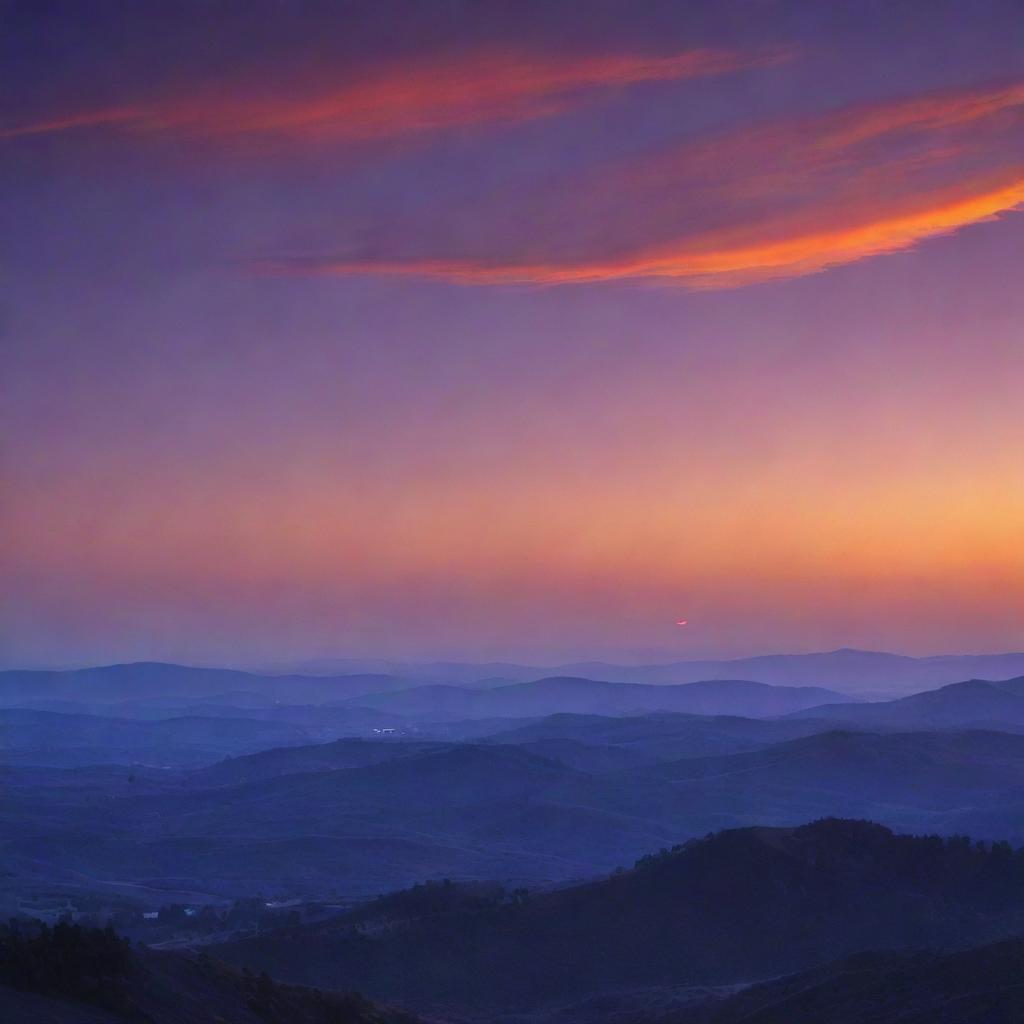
357,818
733,907
165,684
848,669
984,985
934,770
595,697
50,738
853,671
320,757
665,736
74,975
974,703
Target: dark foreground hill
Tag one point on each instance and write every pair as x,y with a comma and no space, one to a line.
975,986
735,907
73,975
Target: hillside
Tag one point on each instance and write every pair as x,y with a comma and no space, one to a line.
157,681
55,739
925,770
984,985
358,818
558,695
320,757
665,736
974,703
736,906
73,975
462,811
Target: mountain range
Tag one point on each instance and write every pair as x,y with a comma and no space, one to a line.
555,695
851,670
172,686
355,818
134,788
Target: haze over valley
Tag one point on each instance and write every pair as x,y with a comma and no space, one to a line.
384,819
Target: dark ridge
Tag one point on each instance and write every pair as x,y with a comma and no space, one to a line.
736,906
62,974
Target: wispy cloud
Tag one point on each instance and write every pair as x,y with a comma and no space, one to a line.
774,201
418,95
702,265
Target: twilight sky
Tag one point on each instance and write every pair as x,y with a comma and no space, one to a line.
521,330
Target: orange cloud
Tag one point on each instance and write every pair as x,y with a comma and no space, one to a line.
929,113
701,267
414,96
775,201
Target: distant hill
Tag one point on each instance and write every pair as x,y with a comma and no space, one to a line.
467,812
596,697
169,684
665,735
846,669
320,757
851,772
73,975
50,738
149,689
356,819
736,906
594,758
852,671
975,703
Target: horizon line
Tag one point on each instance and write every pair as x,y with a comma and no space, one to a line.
294,666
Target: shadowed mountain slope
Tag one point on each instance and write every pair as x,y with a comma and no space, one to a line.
984,985
73,975
734,907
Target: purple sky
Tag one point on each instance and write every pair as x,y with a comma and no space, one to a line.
510,330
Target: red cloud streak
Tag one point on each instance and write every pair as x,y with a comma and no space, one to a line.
415,96
834,189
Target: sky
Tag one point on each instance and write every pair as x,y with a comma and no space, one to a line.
510,330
